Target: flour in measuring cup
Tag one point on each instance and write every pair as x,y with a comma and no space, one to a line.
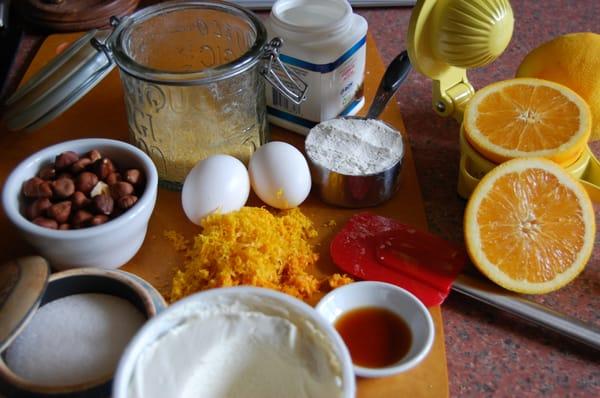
354,146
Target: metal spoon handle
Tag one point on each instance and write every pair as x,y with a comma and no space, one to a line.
394,75
528,310
4,10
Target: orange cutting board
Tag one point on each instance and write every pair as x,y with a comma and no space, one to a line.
101,113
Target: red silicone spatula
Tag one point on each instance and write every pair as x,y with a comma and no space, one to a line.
378,248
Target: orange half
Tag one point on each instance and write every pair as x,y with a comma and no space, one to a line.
529,226
528,117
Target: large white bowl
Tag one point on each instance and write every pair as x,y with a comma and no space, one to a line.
390,297
109,245
267,301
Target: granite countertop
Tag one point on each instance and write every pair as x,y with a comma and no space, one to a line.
489,353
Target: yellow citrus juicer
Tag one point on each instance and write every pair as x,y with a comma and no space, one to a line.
445,39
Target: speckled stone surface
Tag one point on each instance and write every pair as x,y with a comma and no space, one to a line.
489,352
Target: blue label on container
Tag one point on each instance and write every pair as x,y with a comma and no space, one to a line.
305,122
323,68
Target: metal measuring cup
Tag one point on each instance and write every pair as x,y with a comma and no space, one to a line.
365,190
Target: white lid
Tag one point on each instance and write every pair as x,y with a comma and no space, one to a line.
59,84
311,15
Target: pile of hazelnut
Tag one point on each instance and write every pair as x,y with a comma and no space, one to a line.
80,191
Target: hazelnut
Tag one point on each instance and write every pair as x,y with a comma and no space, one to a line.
86,181
98,219
63,187
45,222
134,177
86,190
93,155
121,189
79,200
65,174
113,178
37,208
103,167
65,160
125,202
80,218
80,165
100,189
36,188
60,211
47,172
103,204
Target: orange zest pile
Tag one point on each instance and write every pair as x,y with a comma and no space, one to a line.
250,247
528,117
530,226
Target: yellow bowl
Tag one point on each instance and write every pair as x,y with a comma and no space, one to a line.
473,166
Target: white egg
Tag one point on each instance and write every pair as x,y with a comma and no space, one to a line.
279,175
219,183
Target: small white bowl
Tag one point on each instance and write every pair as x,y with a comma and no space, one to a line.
226,300
109,245
397,300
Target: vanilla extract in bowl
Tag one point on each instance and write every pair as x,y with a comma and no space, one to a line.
376,337
386,328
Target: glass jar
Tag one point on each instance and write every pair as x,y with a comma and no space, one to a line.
190,73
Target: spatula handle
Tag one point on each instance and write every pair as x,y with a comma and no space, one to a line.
535,313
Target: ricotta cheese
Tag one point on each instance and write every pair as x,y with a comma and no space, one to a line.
238,352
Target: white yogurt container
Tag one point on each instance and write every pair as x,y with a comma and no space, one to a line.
325,44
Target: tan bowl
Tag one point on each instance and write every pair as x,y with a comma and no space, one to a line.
78,281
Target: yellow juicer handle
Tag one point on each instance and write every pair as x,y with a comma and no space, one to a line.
445,37
591,177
